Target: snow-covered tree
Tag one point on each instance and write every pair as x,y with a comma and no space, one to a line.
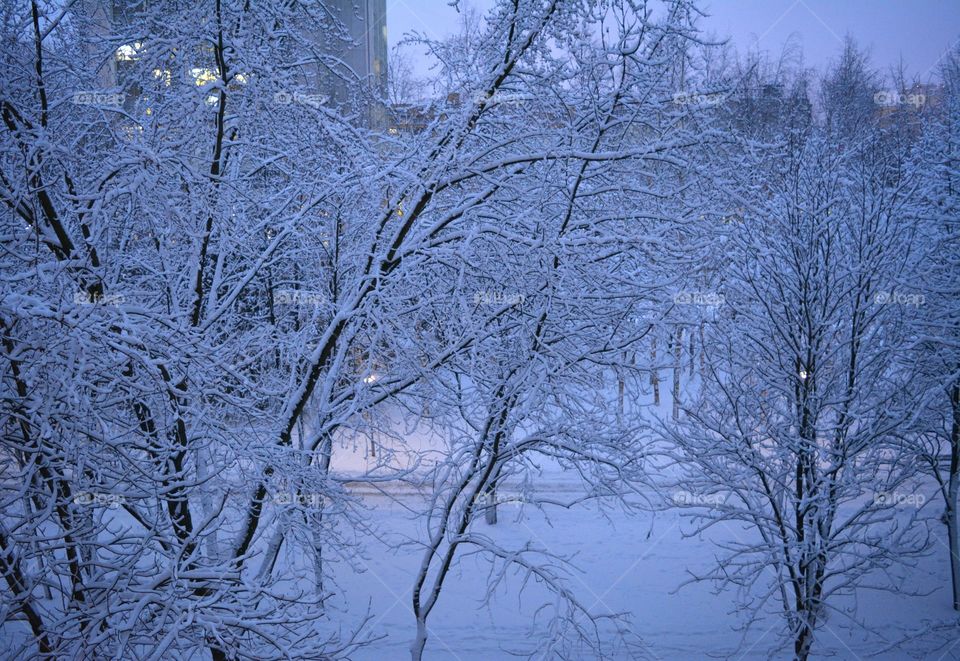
802,415
582,244
936,353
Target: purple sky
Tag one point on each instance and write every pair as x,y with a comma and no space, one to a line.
919,30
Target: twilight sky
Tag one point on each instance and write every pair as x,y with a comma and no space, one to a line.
919,30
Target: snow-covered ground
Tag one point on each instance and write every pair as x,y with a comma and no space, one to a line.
630,563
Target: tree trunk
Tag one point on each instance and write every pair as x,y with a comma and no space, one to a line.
490,505
953,490
271,554
367,418
654,374
703,358
620,386
317,557
803,641
416,649
952,533
315,518
677,368
214,549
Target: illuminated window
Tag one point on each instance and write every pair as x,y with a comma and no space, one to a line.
164,75
202,76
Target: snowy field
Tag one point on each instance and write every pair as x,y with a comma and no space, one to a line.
637,562
630,563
